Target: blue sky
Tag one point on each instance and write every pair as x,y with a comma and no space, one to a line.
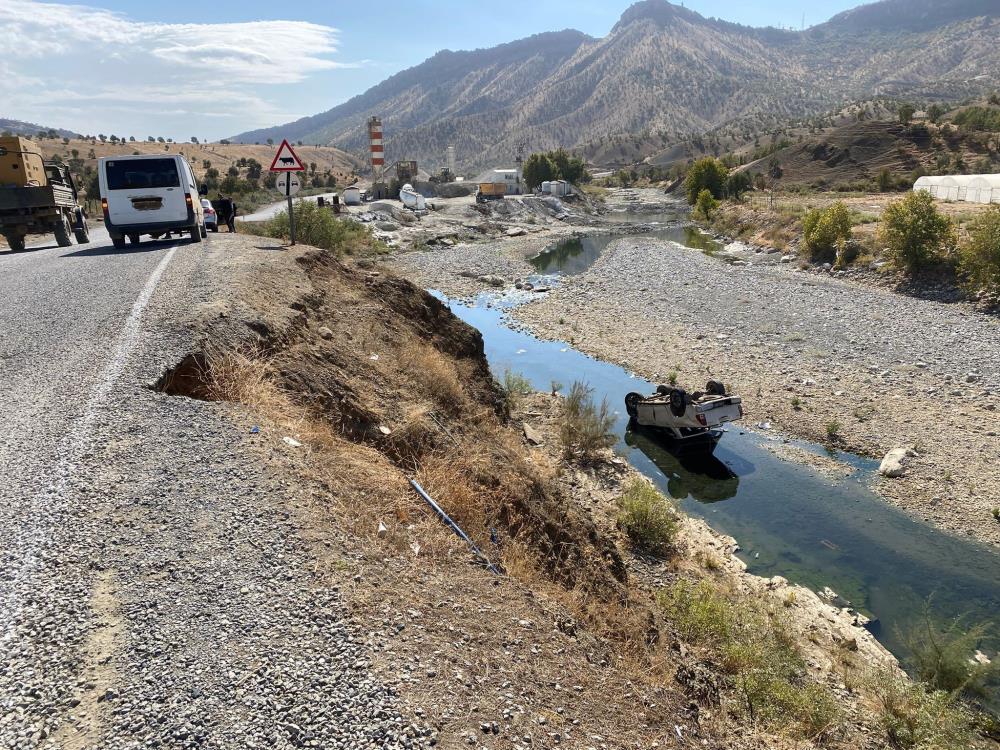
215,68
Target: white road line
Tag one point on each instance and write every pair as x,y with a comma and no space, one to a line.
73,445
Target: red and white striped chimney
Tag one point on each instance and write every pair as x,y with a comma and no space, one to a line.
376,149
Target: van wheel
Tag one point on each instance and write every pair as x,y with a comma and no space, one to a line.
118,241
63,238
133,239
196,233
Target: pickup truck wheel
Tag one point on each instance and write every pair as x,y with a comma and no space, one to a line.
118,241
16,242
82,233
196,234
63,238
632,404
133,239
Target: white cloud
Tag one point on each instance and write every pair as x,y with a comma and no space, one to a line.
97,70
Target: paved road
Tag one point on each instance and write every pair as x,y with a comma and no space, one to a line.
154,588
269,212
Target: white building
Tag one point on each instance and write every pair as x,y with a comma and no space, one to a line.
977,188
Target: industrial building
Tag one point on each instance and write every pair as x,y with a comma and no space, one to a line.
977,188
510,177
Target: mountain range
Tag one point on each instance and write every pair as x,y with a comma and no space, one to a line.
666,73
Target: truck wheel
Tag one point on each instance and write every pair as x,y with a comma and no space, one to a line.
16,242
82,232
196,233
133,239
63,238
118,241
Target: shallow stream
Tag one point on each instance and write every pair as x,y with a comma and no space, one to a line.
788,518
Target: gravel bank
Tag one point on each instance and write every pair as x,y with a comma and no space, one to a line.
806,352
156,589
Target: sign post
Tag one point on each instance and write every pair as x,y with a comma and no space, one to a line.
285,162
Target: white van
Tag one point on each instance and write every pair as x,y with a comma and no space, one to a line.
151,195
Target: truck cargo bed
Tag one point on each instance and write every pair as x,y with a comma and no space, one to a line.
22,198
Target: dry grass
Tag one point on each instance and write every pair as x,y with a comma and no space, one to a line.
434,373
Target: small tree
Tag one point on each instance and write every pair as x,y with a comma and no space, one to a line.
705,204
738,183
915,234
705,174
934,113
270,141
824,230
538,168
194,139
980,256
905,113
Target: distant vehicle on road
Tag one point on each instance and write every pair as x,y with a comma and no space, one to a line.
211,217
37,197
152,195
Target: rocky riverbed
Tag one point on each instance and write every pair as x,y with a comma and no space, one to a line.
815,356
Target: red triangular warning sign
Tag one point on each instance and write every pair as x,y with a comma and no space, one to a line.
286,160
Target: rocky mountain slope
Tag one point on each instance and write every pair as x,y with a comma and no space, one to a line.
664,72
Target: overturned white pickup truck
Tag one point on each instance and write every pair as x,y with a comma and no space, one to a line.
689,419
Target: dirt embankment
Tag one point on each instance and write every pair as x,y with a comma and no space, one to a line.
358,381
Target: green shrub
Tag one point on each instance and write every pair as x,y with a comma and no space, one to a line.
705,174
320,228
752,645
915,234
942,655
515,385
648,519
585,429
705,204
980,255
824,230
833,430
915,719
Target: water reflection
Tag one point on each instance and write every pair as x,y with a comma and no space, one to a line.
576,254
696,475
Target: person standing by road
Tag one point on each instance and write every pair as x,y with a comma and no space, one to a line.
231,219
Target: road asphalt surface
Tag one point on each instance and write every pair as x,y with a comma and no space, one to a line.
154,589
269,212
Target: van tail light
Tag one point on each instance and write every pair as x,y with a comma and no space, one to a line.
702,420
104,207
187,197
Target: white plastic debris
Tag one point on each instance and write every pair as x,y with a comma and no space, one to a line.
292,441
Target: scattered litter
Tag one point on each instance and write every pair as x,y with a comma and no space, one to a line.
382,530
384,430
292,442
415,546
374,358
254,430
678,732
763,425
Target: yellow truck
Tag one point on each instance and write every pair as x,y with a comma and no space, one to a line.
37,196
491,191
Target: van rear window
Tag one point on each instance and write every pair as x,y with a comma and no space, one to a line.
132,174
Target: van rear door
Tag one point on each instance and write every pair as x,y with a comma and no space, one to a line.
145,191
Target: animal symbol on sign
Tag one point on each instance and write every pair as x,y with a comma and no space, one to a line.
287,160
